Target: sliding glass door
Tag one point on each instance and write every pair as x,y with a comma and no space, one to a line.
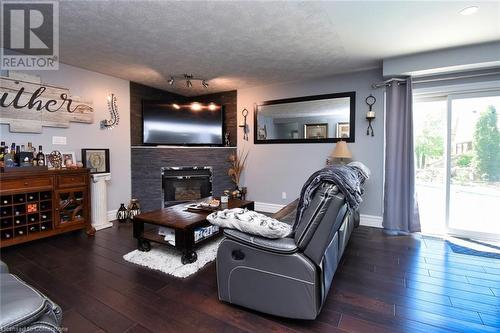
430,137
457,149
474,158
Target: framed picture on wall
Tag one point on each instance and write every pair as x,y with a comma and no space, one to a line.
343,130
97,160
316,131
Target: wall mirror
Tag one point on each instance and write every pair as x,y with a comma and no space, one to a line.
308,119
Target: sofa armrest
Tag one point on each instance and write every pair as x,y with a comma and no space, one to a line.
280,245
3,268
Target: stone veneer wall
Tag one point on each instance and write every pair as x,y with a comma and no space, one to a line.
148,161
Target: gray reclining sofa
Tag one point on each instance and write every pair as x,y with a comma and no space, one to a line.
23,308
288,277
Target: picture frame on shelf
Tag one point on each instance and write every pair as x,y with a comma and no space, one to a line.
68,155
96,159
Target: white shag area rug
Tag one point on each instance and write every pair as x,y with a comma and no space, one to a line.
168,260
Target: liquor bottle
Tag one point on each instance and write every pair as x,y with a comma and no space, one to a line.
2,152
40,157
23,149
30,147
17,155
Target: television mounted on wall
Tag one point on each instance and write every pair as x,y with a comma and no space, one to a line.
175,124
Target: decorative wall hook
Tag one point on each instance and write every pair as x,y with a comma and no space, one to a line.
370,115
244,124
113,110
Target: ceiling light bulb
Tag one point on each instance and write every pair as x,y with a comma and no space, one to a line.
171,81
212,106
189,84
469,10
195,106
204,83
176,106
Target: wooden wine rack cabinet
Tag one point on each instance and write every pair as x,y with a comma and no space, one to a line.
39,204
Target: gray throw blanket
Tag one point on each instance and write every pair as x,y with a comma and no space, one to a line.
348,179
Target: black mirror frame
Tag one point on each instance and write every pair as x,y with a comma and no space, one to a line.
352,118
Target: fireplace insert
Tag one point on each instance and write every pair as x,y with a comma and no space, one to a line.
184,184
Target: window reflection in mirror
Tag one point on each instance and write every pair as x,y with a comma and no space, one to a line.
322,118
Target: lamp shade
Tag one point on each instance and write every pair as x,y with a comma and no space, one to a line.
341,150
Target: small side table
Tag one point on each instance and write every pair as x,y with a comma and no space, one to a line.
100,200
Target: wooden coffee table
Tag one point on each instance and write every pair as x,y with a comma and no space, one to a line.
183,222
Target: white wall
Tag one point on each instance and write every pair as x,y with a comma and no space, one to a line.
275,168
93,87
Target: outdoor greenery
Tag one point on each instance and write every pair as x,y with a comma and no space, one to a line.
487,145
465,160
429,144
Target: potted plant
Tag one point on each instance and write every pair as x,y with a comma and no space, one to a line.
237,161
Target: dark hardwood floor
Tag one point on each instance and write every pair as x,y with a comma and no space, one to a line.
384,284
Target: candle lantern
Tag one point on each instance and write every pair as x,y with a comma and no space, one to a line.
370,115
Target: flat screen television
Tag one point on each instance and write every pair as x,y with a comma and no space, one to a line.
163,124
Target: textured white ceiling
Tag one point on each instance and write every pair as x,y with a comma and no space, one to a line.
244,44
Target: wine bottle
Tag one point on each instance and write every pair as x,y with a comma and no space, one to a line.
44,217
20,232
2,152
40,157
17,221
32,219
43,227
7,235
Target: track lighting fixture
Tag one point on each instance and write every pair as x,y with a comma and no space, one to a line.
189,78
195,106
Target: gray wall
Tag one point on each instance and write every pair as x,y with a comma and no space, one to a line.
94,87
275,168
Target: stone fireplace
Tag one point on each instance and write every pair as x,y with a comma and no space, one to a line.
183,184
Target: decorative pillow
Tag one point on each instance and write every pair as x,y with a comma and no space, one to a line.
250,222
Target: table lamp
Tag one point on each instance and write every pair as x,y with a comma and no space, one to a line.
341,152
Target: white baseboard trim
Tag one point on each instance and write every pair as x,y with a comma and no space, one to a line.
112,215
103,226
371,220
366,220
267,207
